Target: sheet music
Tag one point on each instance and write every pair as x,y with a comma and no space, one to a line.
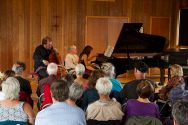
109,51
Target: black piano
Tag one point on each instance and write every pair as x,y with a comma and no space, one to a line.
133,46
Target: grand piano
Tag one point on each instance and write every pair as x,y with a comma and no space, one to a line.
133,46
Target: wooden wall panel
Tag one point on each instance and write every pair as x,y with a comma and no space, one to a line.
23,23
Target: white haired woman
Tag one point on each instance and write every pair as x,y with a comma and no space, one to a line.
105,109
80,70
11,108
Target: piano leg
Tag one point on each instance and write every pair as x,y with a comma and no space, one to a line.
162,76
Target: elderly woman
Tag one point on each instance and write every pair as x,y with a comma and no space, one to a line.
75,92
80,70
142,106
90,95
11,108
104,109
176,79
109,71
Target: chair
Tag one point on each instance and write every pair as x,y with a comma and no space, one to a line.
8,122
109,122
143,120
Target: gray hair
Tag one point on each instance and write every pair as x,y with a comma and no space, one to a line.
80,69
18,67
108,69
11,88
180,112
176,70
52,69
75,91
104,86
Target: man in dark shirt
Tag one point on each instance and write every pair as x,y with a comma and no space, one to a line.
41,56
129,89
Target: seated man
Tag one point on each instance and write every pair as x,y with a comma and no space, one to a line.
129,90
180,113
60,113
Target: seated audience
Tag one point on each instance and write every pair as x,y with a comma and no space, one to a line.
52,72
176,79
109,71
104,109
25,87
75,92
129,89
90,95
141,106
71,59
80,70
11,108
60,113
180,112
179,92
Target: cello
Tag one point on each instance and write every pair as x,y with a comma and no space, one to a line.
55,57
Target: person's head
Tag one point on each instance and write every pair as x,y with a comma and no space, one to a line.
180,112
108,69
18,67
75,91
52,69
140,70
47,42
59,91
103,86
69,78
145,89
176,70
9,73
11,88
80,69
72,49
94,76
87,50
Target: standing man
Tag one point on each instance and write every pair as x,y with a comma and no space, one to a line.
41,56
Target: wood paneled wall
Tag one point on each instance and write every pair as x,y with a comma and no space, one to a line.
23,23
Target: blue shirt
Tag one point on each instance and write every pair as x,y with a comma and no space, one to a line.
116,85
61,113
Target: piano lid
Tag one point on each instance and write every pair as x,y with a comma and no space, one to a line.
131,40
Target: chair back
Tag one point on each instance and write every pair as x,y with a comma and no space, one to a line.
109,122
8,122
143,120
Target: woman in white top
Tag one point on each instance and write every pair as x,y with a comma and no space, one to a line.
11,108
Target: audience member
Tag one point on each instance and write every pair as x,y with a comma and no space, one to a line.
129,89
80,70
8,73
75,92
52,72
180,112
141,106
71,59
25,87
60,113
90,95
11,108
104,109
179,92
176,79
109,71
